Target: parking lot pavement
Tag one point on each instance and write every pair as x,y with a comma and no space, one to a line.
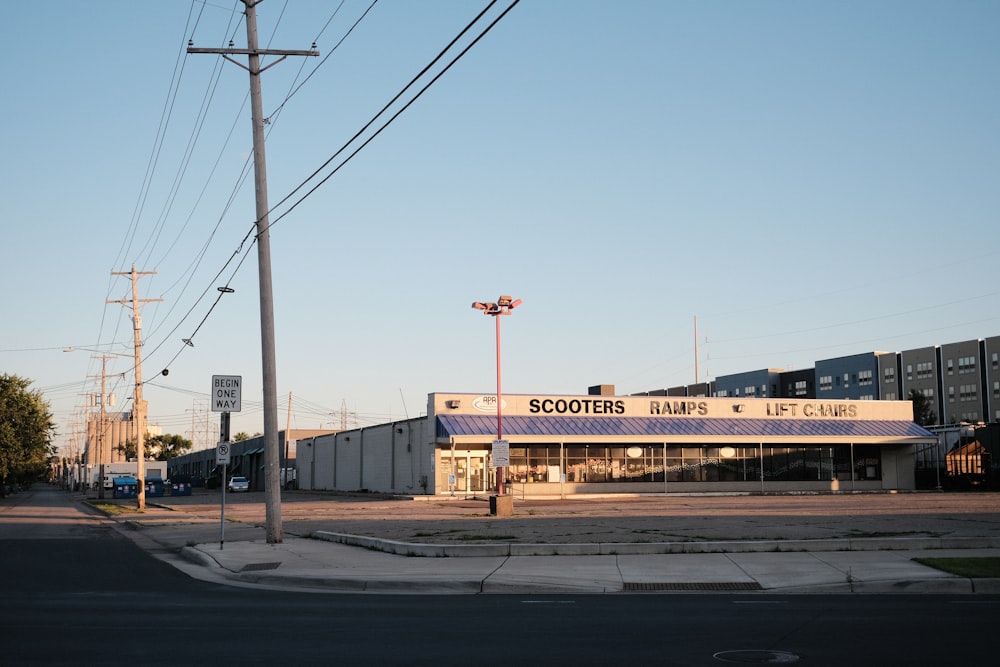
831,543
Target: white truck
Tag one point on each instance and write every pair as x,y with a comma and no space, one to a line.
131,469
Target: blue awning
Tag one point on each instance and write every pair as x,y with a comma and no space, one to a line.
682,429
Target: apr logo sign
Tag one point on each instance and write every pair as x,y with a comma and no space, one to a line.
487,403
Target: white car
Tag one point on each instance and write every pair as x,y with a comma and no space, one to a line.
239,484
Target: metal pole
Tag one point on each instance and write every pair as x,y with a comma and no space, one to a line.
562,470
499,408
853,476
937,463
664,468
222,514
762,468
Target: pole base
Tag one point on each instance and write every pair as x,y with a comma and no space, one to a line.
502,505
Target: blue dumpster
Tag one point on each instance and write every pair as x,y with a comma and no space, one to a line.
154,487
180,488
125,487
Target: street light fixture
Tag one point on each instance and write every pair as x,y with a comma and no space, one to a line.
503,306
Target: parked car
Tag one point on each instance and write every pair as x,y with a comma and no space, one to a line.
239,484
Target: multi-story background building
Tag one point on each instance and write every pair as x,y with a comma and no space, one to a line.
960,380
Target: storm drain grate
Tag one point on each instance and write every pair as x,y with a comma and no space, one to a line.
694,586
250,567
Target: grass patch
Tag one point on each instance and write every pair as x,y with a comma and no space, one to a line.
987,567
115,508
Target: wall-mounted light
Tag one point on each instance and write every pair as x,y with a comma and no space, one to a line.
453,403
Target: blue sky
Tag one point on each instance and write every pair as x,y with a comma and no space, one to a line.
808,179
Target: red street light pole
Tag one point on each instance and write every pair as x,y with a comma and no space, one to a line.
502,306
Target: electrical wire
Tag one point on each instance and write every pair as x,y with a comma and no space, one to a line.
292,92
367,125
386,107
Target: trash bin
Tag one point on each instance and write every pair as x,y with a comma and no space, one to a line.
180,488
125,487
154,487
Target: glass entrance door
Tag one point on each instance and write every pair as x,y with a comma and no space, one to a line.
463,472
477,473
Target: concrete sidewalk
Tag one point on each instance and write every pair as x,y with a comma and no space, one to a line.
313,564
525,558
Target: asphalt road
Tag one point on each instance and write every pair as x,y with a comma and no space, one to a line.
78,592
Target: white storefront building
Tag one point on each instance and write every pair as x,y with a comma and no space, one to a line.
586,444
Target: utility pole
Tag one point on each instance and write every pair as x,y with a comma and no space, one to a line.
288,434
101,429
272,485
138,405
101,435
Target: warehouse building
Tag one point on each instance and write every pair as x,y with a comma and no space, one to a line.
604,443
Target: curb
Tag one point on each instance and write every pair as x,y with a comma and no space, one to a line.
505,550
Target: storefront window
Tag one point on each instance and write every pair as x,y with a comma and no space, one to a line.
576,464
538,463
592,464
518,470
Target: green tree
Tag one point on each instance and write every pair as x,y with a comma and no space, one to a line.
127,449
166,446
241,436
26,432
922,412
157,447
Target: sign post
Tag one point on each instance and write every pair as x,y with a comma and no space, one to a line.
227,393
222,456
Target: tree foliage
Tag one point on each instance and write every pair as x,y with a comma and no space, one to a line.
166,446
923,413
26,431
157,447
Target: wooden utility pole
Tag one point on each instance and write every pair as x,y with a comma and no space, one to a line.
272,484
102,434
138,405
288,434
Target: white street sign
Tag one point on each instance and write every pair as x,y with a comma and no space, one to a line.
501,453
222,454
226,393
